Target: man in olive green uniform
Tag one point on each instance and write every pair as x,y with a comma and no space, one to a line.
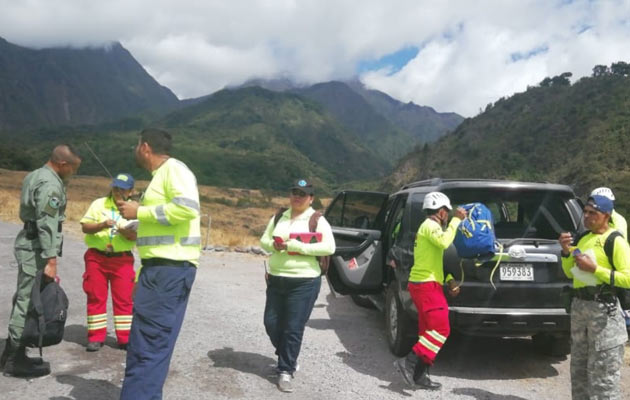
37,246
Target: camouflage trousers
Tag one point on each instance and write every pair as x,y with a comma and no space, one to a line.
597,347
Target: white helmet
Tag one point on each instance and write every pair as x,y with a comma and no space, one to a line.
603,191
435,201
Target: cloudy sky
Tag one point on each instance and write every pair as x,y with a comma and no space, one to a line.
451,55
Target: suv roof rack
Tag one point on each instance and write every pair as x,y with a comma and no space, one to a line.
437,181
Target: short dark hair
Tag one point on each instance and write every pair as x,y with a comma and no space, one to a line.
65,152
157,139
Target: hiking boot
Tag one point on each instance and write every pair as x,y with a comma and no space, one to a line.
94,346
285,382
18,365
422,379
122,346
406,367
5,355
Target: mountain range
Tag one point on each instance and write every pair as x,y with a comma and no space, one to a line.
247,136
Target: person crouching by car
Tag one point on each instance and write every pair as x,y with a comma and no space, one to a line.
294,277
425,287
109,260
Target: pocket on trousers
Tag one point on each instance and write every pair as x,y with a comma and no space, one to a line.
613,331
27,261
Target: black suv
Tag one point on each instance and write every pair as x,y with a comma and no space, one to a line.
371,229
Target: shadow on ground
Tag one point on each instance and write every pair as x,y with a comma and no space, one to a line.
243,361
87,389
362,333
78,334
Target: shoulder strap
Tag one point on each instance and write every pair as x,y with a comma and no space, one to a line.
313,220
609,247
38,307
579,237
278,215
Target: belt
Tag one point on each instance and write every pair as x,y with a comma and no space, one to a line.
593,293
164,262
113,254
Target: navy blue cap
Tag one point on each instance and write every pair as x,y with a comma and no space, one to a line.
123,181
601,204
303,185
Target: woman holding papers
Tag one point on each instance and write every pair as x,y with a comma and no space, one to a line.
294,277
108,260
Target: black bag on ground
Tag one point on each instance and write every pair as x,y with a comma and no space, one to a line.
47,313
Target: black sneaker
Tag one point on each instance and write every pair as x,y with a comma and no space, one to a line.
406,366
94,346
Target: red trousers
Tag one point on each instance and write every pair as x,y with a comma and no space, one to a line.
100,271
433,324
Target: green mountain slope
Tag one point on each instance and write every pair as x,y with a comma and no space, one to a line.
249,138
64,86
575,134
358,116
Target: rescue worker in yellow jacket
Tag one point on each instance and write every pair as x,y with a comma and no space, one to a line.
169,245
109,262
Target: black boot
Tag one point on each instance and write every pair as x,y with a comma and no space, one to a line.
406,366
18,365
5,355
422,379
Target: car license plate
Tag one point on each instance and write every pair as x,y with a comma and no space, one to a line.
516,272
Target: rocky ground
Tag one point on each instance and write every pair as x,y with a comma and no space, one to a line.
223,351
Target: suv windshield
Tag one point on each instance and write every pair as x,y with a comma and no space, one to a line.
519,214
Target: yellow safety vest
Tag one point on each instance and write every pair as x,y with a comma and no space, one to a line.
169,215
101,210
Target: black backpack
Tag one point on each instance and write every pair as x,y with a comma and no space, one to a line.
46,316
609,248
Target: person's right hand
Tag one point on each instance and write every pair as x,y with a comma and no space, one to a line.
566,240
50,270
460,213
280,246
108,224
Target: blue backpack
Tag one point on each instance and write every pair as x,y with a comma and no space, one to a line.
475,235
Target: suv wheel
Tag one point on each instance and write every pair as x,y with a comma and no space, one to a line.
362,301
551,345
398,324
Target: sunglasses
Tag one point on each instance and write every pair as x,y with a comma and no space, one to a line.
298,193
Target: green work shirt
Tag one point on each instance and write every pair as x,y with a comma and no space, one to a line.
428,251
43,201
101,210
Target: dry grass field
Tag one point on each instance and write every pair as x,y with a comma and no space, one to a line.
237,216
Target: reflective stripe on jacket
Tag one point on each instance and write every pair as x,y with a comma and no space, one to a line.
169,223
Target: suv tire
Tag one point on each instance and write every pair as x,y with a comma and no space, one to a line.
551,345
399,325
362,301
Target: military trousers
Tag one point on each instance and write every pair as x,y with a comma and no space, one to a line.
597,347
29,263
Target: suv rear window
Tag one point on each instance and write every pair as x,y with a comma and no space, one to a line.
519,214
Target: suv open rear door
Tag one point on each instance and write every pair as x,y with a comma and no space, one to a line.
357,220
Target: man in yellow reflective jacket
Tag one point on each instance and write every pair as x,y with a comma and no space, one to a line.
169,244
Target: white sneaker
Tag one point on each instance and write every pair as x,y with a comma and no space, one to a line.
285,382
275,371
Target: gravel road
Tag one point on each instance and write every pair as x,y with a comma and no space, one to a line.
223,351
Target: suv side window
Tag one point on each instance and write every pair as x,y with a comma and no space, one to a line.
396,222
416,214
359,210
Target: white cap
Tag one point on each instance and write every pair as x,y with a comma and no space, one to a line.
603,191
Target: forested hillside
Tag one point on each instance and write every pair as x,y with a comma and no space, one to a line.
577,134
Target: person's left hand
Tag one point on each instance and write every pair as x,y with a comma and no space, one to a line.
585,263
453,289
128,209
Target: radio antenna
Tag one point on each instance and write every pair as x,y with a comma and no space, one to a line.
98,159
